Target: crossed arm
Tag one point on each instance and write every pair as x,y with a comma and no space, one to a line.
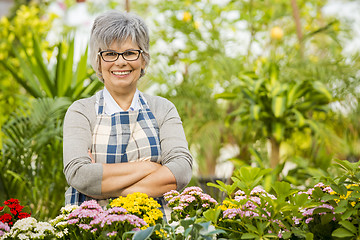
120,179
101,180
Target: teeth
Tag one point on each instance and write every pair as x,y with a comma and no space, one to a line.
121,73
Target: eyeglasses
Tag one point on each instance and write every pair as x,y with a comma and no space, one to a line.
128,55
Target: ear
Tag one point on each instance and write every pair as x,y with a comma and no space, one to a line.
142,64
99,68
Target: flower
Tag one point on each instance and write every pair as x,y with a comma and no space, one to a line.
87,212
349,193
140,205
186,17
4,227
191,202
276,33
91,221
12,211
30,228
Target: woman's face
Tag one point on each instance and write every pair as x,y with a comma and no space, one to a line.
121,76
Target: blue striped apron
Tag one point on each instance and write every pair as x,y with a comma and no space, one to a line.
125,136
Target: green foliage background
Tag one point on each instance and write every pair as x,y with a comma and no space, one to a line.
276,100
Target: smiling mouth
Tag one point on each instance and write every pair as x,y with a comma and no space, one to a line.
121,73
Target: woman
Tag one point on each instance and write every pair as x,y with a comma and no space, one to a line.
120,140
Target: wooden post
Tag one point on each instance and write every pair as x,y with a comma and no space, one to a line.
127,5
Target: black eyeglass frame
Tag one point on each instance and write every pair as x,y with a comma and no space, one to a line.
120,53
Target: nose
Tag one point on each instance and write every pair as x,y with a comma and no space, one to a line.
120,61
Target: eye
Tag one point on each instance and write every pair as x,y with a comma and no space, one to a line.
109,54
130,53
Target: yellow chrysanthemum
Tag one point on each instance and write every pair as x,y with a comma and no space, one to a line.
348,193
140,205
162,233
227,205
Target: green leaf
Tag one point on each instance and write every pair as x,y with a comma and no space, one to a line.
278,131
255,111
252,228
300,119
295,91
35,92
349,226
229,189
225,95
340,209
249,236
44,75
342,233
143,234
300,199
278,106
320,87
348,214
282,189
329,197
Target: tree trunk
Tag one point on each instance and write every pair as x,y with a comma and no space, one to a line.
275,153
296,16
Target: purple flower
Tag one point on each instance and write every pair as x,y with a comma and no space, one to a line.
296,220
233,212
114,218
170,194
113,233
73,221
4,226
178,208
189,190
98,219
320,184
239,193
84,226
117,210
92,204
187,198
308,220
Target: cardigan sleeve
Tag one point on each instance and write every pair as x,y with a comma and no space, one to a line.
174,148
79,172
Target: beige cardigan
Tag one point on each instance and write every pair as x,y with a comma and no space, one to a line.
79,123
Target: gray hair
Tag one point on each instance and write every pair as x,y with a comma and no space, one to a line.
117,26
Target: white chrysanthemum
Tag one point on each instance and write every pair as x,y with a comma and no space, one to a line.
7,234
59,218
24,224
60,224
33,235
59,234
68,209
41,227
22,236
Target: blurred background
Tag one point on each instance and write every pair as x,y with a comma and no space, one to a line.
266,83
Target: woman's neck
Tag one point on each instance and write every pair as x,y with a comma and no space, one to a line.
124,100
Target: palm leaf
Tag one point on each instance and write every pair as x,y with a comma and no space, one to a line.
32,153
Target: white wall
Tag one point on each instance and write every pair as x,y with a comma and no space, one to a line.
5,6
